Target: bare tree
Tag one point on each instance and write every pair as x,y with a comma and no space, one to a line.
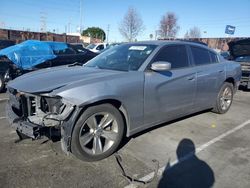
131,25
194,32
168,25
186,36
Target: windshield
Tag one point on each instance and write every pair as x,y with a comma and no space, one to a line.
243,59
124,57
91,46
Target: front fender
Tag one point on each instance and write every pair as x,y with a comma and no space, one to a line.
128,90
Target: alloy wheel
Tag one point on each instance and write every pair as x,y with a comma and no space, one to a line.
98,133
226,98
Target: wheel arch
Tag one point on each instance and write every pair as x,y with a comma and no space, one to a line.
232,81
114,102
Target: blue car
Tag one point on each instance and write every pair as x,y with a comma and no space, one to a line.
122,91
33,55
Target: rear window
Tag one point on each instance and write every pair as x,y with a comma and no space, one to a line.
100,47
91,46
201,56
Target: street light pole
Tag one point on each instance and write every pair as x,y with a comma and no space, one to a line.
80,27
107,37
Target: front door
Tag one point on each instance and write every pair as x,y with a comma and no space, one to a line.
169,94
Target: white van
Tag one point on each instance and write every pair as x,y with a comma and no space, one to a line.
97,47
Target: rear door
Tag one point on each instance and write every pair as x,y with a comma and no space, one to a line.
168,94
210,76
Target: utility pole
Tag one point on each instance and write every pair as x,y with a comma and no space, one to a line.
65,29
80,27
107,37
43,21
69,26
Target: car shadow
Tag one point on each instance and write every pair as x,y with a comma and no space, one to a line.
189,171
126,140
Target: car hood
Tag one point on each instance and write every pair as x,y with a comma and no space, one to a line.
47,80
239,48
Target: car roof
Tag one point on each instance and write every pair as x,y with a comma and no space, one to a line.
169,42
98,43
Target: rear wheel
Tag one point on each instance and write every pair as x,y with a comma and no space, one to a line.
97,133
224,98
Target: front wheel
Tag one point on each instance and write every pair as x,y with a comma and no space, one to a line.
224,98
97,133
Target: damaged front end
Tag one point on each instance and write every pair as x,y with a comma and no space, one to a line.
38,115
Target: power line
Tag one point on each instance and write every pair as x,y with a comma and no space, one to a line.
31,19
53,7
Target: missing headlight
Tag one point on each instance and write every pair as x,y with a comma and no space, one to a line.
51,105
54,110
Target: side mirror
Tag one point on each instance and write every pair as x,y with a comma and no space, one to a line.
161,66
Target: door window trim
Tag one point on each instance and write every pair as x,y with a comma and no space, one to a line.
167,45
209,52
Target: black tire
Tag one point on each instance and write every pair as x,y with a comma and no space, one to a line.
219,108
116,127
2,84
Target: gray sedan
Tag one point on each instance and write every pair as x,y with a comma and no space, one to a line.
123,91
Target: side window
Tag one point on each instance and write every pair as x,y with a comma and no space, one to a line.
213,57
67,51
100,47
176,55
201,56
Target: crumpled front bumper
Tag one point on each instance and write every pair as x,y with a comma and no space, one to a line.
56,127
29,129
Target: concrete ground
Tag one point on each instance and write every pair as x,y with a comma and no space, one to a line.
222,156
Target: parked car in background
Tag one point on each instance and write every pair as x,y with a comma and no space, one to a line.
32,55
120,92
97,47
78,46
225,55
240,52
109,47
6,43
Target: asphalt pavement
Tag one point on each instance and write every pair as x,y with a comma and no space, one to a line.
202,150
